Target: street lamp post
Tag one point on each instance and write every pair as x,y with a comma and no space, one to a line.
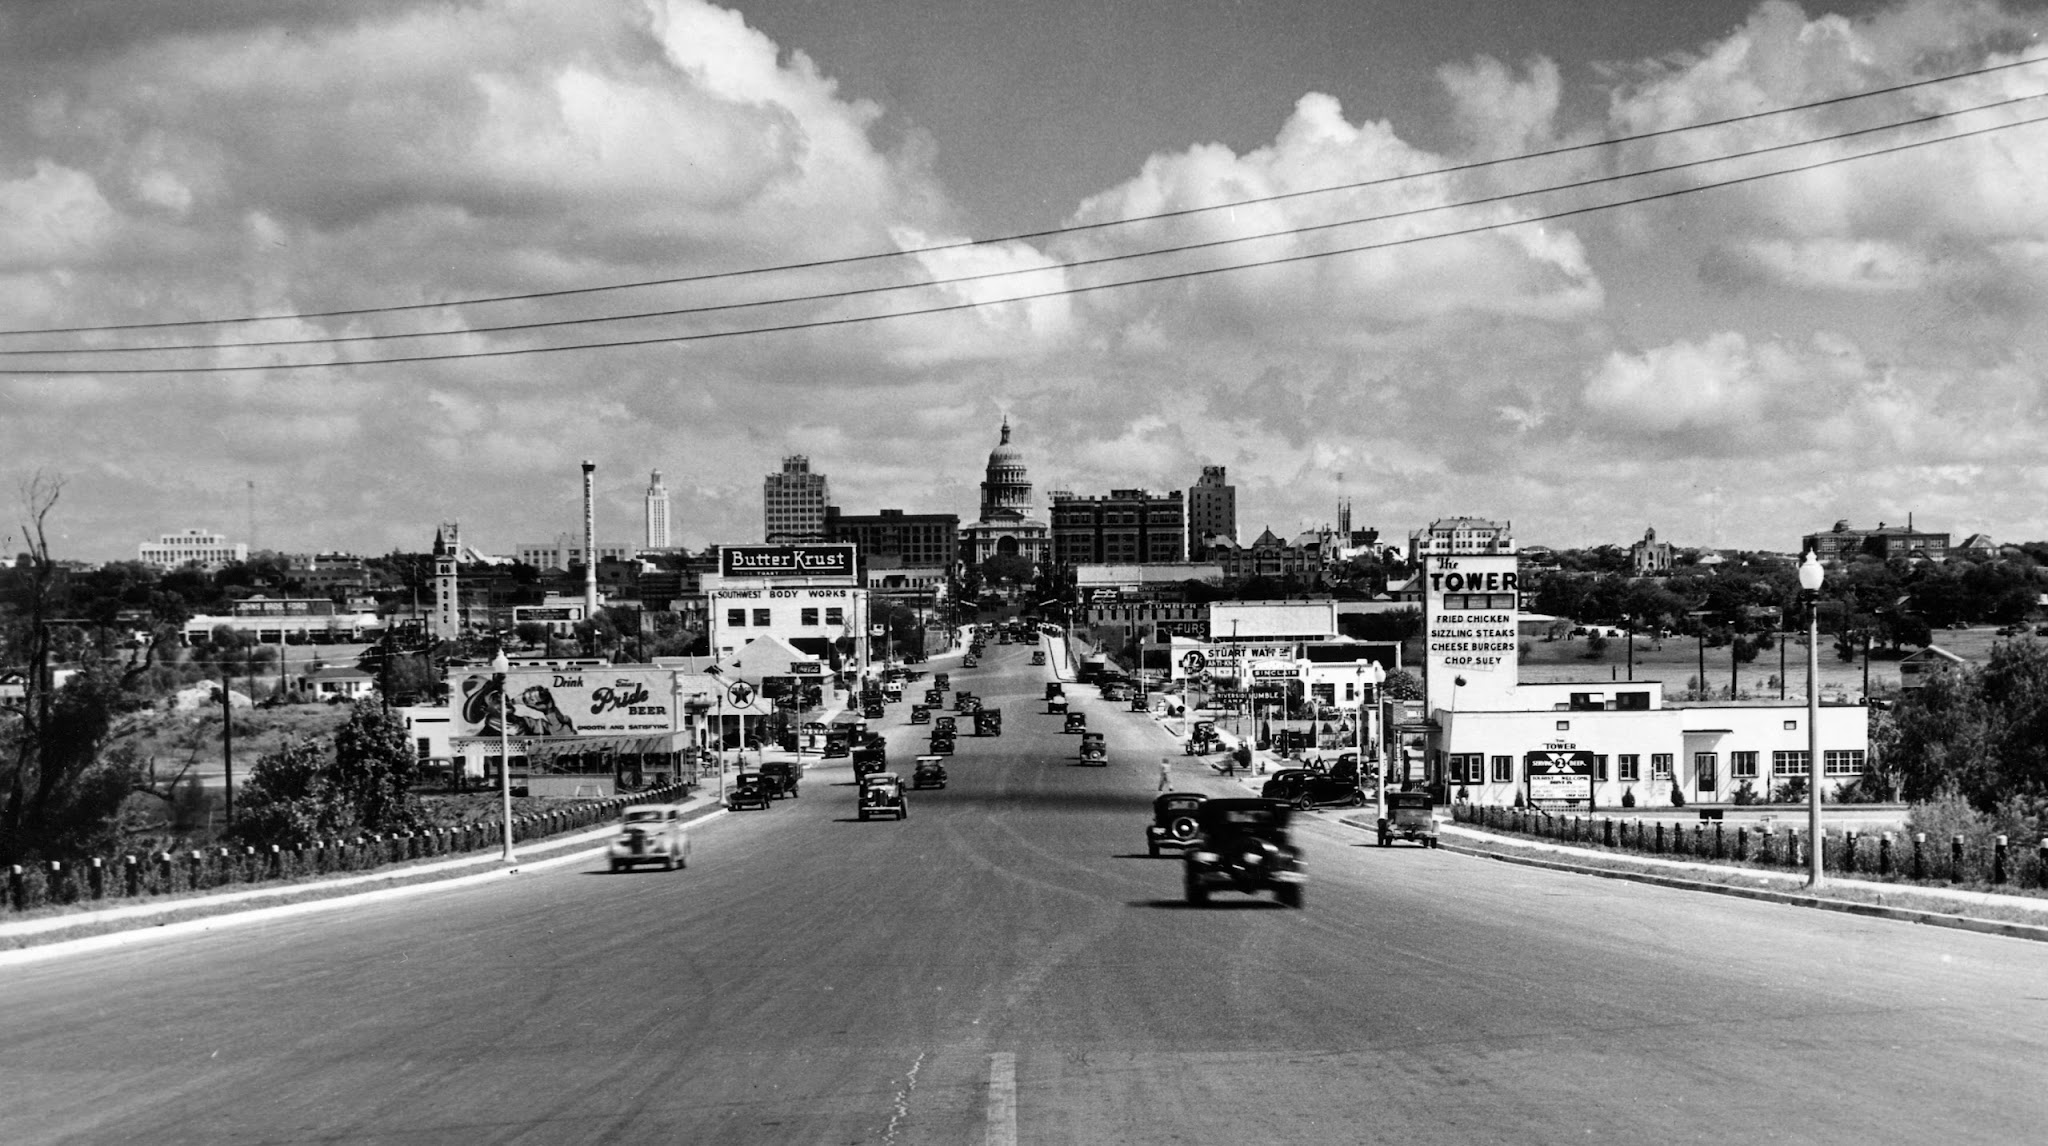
1810,577
1376,675
502,666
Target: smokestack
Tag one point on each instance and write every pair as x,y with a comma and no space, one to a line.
589,542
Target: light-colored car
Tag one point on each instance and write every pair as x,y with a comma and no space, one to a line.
651,833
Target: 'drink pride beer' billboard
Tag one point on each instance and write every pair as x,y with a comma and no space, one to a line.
786,560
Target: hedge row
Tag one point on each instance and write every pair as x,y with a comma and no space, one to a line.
1900,857
132,877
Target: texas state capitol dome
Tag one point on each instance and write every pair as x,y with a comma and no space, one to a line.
1006,525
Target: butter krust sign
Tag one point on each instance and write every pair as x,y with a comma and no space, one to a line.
786,560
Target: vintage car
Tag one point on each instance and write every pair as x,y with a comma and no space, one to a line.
1076,722
839,742
892,692
942,744
1306,788
929,773
1054,688
920,714
1038,657
872,756
988,722
947,725
942,681
1410,816
1202,738
1057,705
935,697
873,710
1173,820
781,777
1139,703
1094,749
1116,690
1243,845
749,790
970,661
965,702
650,833
881,794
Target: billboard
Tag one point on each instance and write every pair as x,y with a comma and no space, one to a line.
1471,616
1560,777
786,560
582,701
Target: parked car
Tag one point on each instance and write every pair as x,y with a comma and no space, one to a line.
1202,738
881,794
1243,845
1305,788
781,777
1410,816
1094,749
1076,722
929,773
650,833
748,790
1173,821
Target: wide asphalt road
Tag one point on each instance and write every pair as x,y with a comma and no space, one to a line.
1007,965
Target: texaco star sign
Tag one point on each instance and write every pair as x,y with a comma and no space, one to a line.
740,693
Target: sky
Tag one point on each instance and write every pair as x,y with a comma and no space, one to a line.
1334,314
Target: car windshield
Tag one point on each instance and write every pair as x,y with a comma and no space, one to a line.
646,817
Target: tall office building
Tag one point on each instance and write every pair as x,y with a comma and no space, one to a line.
793,502
1129,527
657,513
1212,508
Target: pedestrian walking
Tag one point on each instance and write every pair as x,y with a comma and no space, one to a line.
1165,773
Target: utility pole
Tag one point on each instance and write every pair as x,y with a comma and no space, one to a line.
227,739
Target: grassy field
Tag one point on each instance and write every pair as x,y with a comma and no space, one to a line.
1676,662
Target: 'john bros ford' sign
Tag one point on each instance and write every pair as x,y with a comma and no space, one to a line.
1472,622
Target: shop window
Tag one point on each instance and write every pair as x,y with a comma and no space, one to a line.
1629,766
1503,769
1660,765
1705,769
761,618
737,618
808,617
1742,765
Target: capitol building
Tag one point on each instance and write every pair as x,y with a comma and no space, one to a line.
1006,527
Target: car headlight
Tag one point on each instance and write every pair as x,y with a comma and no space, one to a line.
1205,857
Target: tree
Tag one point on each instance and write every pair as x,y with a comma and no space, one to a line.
1006,569
287,799
375,769
60,799
1403,685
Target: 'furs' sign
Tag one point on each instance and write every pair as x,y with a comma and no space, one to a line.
786,560
1474,582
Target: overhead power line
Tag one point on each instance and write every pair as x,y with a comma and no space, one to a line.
1090,288
986,276
963,244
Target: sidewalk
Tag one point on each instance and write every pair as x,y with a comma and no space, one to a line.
1934,906
100,927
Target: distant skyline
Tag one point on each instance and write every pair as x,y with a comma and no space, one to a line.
1735,367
